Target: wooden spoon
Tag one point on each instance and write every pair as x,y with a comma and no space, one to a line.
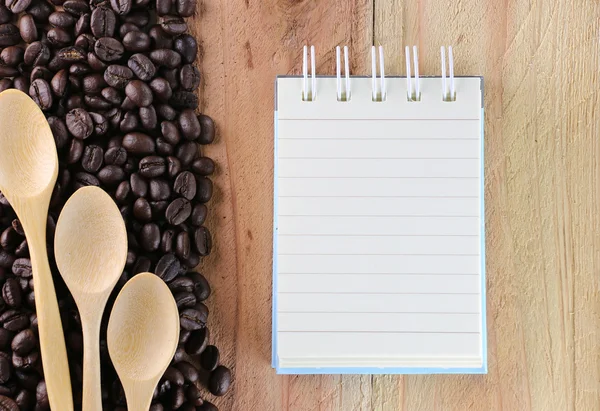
28,171
90,246
142,336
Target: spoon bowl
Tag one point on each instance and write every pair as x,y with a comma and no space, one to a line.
90,246
142,336
28,172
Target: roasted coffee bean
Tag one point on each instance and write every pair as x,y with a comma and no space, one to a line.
183,100
59,131
100,124
189,77
71,54
126,28
59,83
161,89
116,156
40,73
103,22
168,267
152,166
85,179
182,245
201,287
189,124
166,241
165,58
36,54
6,259
111,175
41,394
22,84
75,151
92,158
185,8
22,249
5,338
27,28
127,104
189,372
112,95
21,267
163,7
202,241
40,10
108,49
6,71
11,293
160,190
117,76
26,362
9,35
173,166
82,26
203,166
74,101
194,318
199,213
141,210
122,192
114,116
79,123
159,207
197,342
6,83
172,76
58,37
17,6
178,398
121,7
204,189
5,14
185,185
24,342
173,25
130,122
41,93
142,265
76,7
12,56
150,237
25,400
170,132
96,102
140,18
178,211
61,19
7,404
208,130
187,153
187,46
139,186
139,93
148,118
219,381
174,375
95,62
14,321
93,83
154,407
9,238
136,41
209,359
166,112
142,66
138,143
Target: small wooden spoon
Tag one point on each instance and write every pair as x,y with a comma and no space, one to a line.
90,246
142,336
28,171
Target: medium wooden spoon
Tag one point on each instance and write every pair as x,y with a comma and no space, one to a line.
90,246
28,171
142,336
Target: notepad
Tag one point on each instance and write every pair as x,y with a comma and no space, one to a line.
379,259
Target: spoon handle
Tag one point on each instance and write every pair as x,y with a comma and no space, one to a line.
92,391
138,394
52,341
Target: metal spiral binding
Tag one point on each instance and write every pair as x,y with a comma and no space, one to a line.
416,95
379,92
343,92
309,93
448,95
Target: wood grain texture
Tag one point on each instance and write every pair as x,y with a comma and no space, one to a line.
540,61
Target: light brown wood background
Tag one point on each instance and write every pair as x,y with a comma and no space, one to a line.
540,61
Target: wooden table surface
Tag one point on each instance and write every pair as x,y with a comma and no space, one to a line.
540,62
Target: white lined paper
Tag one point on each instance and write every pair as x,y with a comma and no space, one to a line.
378,227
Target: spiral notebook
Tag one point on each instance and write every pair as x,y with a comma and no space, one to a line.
379,261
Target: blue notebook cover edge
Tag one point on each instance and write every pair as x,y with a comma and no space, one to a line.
370,370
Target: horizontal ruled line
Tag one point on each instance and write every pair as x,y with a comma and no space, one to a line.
380,138
366,293
385,177
379,312
381,254
378,215
378,235
395,274
378,119
366,196
381,332
378,158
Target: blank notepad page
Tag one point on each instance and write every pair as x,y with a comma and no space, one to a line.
378,242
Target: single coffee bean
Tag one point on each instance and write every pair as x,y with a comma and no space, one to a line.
166,112
139,186
9,238
190,373
128,104
117,76
198,342
148,118
21,83
189,77
185,185
198,217
14,321
74,101
103,22
163,148
41,393
149,237
189,124
36,54
159,207
116,156
194,319
185,8
9,35
136,41
12,56
209,359
108,49
7,83
6,403
5,14
130,122
174,375
173,166
6,259
177,398
21,267
126,28
93,83
71,54
166,241
203,166
181,284
168,267
142,210
95,62
139,93
41,93
201,287
182,245
208,129
121,7
92,158
138,144
61,19
40,73
114,116
101,125
79,123
142,265
83,179
22,249
40,10
184,99
112,95
82,26
75,151
161,89
58,37
159,190
26,362
142,66
6,71
152,166
24,342
203,241
122,192
170,132
219,381
187,46
187,152
11,293
163,7
204,189
173,25
25,400
17,6
139,18
27,28
111,175
59,83
165,58
178,211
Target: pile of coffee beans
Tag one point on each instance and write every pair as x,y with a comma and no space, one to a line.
116,80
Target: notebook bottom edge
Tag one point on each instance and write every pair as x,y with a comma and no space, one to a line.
376,370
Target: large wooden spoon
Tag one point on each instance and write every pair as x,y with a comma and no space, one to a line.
28,171
90,247
142,336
